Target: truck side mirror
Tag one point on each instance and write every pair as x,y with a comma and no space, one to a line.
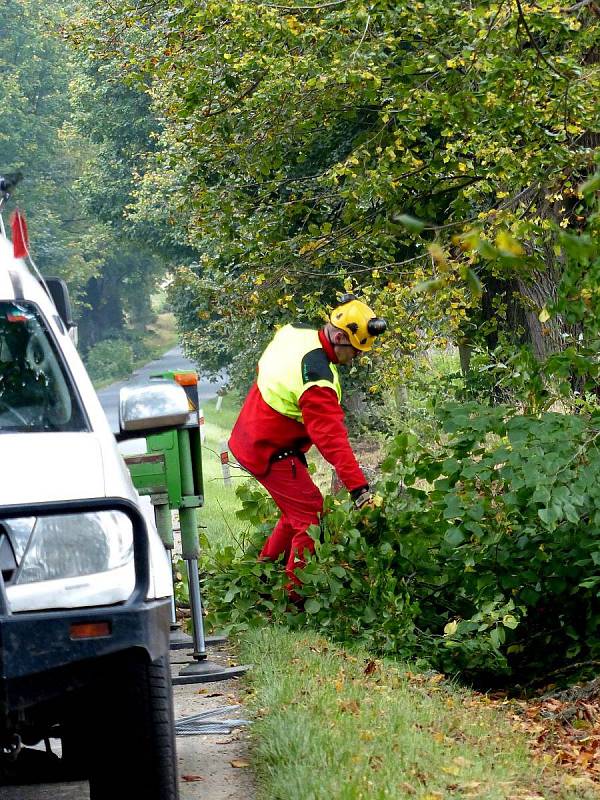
60,297
149,408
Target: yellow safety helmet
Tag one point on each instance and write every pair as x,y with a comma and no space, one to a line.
357,320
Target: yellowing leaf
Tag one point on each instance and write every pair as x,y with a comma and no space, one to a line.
437,253
544,315
450,628
507,244
451,769
467,241
309,246
295,26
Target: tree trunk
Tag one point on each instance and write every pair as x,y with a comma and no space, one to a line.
465,350
538,292
103,316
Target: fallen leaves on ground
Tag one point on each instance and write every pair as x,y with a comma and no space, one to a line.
564,728
239,763
191,778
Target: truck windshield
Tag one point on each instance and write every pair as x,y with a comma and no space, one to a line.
36,393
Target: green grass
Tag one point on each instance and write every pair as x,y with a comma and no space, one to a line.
220,502
331,724
161,336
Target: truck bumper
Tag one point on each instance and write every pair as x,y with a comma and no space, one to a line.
40,659
42,654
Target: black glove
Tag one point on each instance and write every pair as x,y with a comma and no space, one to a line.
363,497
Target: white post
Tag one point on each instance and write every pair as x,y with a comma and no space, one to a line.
201,424
219,402
225,464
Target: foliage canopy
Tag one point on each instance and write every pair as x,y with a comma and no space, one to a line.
400,150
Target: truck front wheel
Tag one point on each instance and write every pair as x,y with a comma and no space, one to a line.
128,747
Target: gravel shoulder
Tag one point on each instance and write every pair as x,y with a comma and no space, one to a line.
210,765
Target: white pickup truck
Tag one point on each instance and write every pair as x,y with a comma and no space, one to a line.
84,582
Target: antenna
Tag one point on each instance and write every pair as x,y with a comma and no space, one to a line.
7,184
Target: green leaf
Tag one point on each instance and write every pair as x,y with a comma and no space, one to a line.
454,537
312,606
231,594
474,284
548,516
487,250
411,224
591,185
429,286
590,583
497,637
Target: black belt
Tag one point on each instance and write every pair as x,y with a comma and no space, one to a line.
289,454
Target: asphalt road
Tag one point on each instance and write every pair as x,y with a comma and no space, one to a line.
173,360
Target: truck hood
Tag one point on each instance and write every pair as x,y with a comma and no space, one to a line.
42,467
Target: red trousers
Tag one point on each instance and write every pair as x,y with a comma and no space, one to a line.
300,503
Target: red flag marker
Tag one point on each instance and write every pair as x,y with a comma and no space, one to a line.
20,235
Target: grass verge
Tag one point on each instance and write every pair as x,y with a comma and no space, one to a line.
161,335
222,528
332,723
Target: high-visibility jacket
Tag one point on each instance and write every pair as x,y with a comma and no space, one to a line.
292,363
295,403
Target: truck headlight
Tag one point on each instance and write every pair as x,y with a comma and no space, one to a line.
70,545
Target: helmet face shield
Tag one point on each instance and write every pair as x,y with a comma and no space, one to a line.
358,321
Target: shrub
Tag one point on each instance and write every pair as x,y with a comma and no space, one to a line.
484,559
111,358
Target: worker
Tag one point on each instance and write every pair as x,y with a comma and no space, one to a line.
295,403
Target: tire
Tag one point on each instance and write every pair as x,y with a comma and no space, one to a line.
127,746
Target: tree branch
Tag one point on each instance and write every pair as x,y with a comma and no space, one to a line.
535,44
302,8
237,99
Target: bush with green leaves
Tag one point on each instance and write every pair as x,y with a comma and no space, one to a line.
111,358
484,559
